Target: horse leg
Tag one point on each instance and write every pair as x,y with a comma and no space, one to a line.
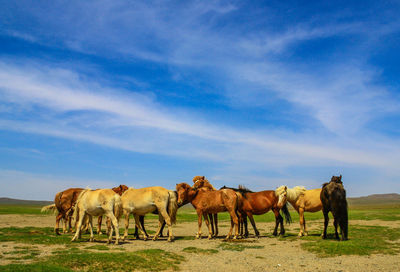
326,221
246,229
137,224
161,222
91,228
126,225
212,223
208,226
199,216
114,222
141,221
335,223
302,222
69,224
253,223
78,226
162,229
167,219
275,233
58,218
216,224
99,221
234,221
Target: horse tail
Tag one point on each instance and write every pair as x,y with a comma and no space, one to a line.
117,206
76,206
286,214
47,208
172,206
239,201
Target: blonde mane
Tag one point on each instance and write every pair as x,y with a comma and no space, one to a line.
294,193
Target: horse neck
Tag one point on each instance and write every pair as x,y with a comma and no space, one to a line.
192,195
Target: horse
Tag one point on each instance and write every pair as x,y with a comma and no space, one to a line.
302,200
64,202
204,184
210,202
97,203
119,190
147,200
257,203
333,198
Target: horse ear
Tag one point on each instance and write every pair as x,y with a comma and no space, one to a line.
340,177
285,188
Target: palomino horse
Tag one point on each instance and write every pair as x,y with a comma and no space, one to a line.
119,190
210,202
204,184
147,200
333,198
257,203
64,202
97,203
302,201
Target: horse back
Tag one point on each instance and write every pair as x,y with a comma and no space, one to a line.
259,202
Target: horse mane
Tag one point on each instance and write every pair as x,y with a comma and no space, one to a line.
295,192
242,190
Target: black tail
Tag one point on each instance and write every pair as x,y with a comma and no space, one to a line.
339,210
286,213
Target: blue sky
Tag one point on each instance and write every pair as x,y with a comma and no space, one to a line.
261,93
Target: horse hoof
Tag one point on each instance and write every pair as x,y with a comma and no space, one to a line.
234,237
100,233
155,238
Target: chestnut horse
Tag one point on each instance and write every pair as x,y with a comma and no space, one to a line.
302,201
97,203
210,202
333,198
64,202
257,203
204,184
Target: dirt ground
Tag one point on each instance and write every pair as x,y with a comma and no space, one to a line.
277,255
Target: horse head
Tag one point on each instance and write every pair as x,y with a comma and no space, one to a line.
281,193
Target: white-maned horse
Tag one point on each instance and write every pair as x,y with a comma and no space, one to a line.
303,200
97,203
147,200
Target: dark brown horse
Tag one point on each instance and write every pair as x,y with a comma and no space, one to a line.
210,202
257,203
333,198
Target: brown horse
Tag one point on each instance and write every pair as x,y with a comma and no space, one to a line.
333,198
210,202
64,202
257,203
204,184
97,203
302,200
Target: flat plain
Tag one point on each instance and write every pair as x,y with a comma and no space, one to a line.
27,243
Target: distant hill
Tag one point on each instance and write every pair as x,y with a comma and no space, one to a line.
12,201
375,200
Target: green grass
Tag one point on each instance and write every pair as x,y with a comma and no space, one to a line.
21,253
19,209
142,260
199,250
32,235
363,240
237,246
98,247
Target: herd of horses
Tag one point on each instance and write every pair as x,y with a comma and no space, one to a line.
241,203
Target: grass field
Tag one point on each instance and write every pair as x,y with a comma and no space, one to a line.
364,240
